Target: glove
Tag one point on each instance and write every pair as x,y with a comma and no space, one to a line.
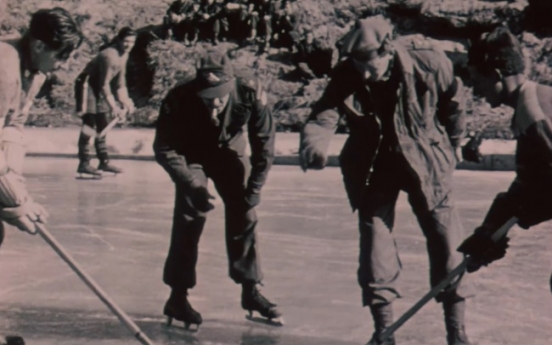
25,216
470,151
482,250
252,198
199,196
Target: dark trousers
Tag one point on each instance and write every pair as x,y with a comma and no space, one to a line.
99,122
229,173
379,260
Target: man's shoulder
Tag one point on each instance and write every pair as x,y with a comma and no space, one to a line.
9,60
109,53
182,89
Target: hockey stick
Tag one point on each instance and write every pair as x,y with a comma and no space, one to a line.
91,132
123,317
388,332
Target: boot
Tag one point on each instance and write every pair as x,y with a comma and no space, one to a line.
105,166
454,322
12,340
252,300
382,314
178,307
85,168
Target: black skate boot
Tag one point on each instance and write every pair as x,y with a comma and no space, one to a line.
252,300
178,307
85,170
383,318
454,322
106,167
13,340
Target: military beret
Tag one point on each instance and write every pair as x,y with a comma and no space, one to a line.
366,38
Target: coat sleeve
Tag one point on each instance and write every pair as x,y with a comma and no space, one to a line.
164,145
322,122
451,101
261,131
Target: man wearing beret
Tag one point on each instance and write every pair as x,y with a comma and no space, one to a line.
201,134
405,112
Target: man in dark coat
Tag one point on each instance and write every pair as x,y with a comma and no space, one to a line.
404,109
200,135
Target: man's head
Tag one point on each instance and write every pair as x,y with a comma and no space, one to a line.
126,38
215,77
53,36
368,45
494,58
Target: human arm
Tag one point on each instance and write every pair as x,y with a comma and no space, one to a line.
168,132
261,131
322,122
451,102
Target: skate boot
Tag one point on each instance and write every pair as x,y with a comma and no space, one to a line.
383,318
454,322
252,300
85,170
178,307
106,167
12,340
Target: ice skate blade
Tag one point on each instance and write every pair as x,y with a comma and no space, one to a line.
186,325
83,176
276,322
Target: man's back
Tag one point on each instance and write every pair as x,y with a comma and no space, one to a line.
10,81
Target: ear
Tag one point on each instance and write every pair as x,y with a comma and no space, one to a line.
38,46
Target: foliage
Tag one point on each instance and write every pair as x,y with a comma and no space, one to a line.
155,65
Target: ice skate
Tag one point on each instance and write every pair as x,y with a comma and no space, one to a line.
106,167
375,340
252,300
86,171
179,308
12,340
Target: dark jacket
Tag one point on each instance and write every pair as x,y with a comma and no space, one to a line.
186,135
428,121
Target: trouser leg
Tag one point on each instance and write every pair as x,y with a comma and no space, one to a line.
379,264
84,139
100,143
229,175
180,266
444,233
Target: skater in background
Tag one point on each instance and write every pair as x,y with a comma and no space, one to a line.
47,44
497,66
200,135
101,90
405,112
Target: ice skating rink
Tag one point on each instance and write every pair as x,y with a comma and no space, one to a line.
118,229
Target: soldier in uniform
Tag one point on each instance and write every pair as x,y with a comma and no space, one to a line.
404,109
95,98
497,66
200,135
24,64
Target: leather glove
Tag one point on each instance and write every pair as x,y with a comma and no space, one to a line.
200,197
470,151
482,250
252,198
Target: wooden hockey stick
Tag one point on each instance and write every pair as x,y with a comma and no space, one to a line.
388,332
123,317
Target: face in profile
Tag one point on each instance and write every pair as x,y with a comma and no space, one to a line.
46,59
127,43
375,69
488,84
